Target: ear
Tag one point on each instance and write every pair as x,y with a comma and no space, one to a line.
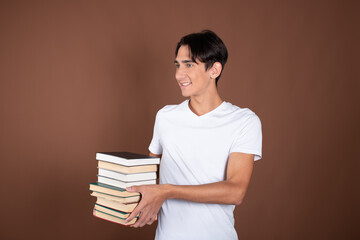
215,70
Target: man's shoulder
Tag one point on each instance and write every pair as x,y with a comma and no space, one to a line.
240,112
172,109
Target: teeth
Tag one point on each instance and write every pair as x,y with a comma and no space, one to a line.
185,84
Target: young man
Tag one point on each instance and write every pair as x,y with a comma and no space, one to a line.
207,148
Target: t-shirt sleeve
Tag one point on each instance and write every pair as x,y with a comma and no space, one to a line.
249,138
155,145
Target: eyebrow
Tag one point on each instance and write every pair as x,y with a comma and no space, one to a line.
185,61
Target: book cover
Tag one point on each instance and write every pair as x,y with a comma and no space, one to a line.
128,208
124,200
127,158
125,169
111,218
111,190
110,211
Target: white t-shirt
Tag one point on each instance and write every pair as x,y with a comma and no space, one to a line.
195,150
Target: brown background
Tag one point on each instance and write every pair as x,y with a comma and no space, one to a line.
77,77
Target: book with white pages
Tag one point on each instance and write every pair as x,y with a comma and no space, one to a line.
134,177
127,170
122,184
124,200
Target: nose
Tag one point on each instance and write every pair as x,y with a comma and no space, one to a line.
180,74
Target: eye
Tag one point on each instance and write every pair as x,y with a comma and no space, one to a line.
177,65
189,65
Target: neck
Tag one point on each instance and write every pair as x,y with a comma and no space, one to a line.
203,104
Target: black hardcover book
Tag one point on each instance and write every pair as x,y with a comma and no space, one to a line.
127,158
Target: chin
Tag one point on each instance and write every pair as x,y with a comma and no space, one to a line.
186,94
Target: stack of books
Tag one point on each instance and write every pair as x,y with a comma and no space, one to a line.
118,170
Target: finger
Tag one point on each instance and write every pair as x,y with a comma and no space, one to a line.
132,215
133,189
135,212
141,220
136,223
145,218
151,221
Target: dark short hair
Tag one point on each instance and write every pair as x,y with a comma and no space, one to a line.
205,46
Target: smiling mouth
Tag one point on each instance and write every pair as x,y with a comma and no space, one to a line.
185,84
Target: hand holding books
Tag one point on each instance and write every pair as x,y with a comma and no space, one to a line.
153,196
118,170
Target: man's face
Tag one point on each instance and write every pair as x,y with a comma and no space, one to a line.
191,76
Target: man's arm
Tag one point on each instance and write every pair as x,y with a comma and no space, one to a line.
230,191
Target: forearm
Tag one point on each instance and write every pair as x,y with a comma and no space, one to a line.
224,192
230,191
